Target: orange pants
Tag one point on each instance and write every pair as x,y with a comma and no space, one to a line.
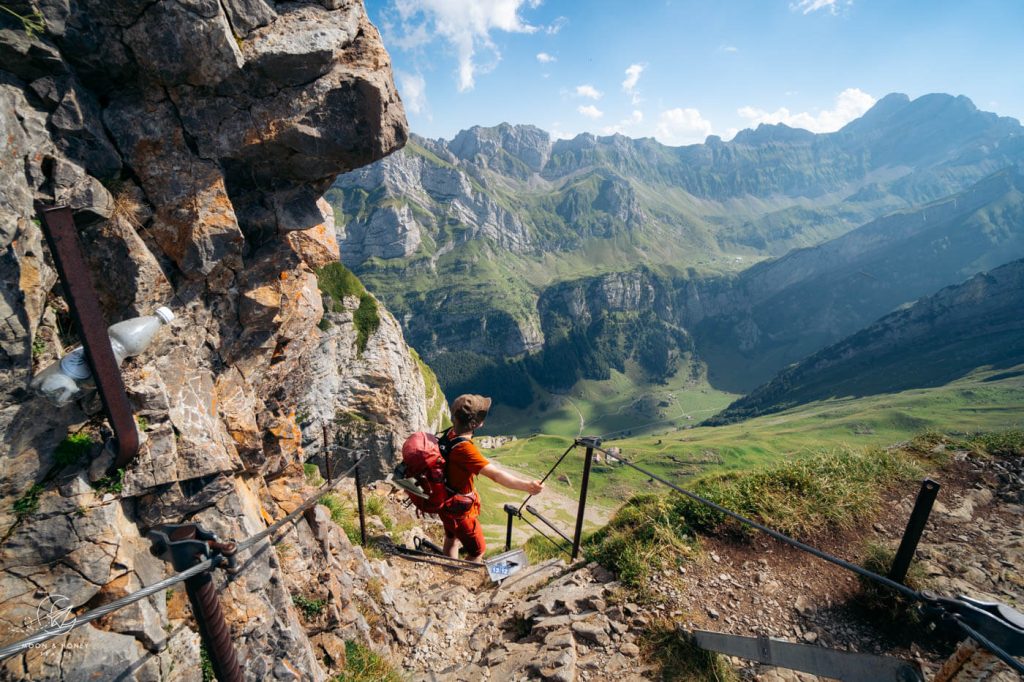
467,530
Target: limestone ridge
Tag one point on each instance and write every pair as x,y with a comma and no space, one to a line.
464,238
193,141
936,340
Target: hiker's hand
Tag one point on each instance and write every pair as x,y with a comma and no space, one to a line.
534,487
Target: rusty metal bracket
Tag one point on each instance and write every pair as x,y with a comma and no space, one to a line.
186,545
62,238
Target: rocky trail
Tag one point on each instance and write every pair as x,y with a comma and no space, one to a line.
555,621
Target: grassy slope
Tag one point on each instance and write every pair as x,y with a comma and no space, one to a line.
622,403
982,401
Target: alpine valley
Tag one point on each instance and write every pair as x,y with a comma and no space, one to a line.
557,275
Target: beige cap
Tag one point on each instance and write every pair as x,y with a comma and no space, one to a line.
469,406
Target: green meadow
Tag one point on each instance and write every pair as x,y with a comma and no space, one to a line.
984,401
626,402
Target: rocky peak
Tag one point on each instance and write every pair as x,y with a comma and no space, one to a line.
767,133
525,143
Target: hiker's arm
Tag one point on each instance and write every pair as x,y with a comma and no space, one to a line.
510,480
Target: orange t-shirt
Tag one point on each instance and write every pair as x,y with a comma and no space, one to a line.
464,463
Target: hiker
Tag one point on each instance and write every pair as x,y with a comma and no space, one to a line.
464,463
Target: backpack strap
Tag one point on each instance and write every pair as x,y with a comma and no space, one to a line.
446,445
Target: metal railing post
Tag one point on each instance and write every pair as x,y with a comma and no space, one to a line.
359,501
327,455
915,526
62,238
510,509
590,444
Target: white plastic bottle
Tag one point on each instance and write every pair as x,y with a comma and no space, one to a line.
67,379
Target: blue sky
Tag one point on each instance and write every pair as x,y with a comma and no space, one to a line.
678,70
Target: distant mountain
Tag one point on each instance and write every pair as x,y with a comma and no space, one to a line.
776,312
475,243
930,343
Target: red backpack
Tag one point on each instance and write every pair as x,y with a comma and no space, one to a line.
423,474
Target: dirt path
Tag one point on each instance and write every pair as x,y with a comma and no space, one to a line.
576,623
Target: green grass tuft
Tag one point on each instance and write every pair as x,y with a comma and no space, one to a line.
366,320
206,665
894,608
71,449
362,664
376,505
1001,443
344,515
311,608
27,504
824,492
312,473
646,535
682,659
337,281
114,483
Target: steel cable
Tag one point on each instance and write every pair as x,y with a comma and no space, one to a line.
1003,656
888,582
56,631
550,471
298,511
545,535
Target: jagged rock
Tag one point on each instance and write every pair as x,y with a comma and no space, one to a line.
203,55
331,648
189,139
247,15
239,405
317,246
379,400
592,631
195,221
300,46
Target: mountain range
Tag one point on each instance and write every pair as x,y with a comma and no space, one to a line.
938,339
517,263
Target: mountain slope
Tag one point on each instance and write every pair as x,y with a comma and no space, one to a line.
777,312
472,241
931,343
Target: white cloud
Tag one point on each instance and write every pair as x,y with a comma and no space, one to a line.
808,6
632,77
590,111
413,89
850,104
731,49
626,125
555,26
466,25
588,91
681,126
545,58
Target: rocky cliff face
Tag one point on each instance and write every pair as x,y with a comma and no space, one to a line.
424,197
193,140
